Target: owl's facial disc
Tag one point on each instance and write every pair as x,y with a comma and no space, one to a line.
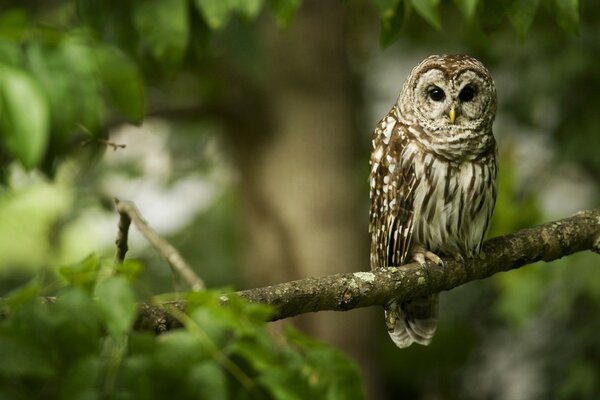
448,101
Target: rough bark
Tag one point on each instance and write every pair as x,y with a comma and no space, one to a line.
341,292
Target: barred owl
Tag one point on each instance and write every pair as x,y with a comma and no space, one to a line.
433,179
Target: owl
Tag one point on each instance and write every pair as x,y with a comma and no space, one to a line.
432,179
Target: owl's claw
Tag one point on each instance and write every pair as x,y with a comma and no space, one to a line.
421,258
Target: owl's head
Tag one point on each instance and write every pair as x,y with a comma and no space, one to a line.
450,93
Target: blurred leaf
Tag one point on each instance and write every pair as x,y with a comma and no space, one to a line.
130,269
14,24
467,7
123,82
521,14
429,10
327,368
215,12
209,380
83,273
19,357
117,302
393,15
164,26
81,380
24,116
247,8
23,295
566,13
283,11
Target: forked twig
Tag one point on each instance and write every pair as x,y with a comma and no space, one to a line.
129,213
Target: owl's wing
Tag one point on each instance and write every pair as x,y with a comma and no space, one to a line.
392,184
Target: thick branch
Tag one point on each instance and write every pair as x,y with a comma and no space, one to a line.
342,292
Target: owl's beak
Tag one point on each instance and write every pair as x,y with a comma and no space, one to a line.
452,114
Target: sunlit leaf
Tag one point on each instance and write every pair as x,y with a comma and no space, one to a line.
215,12
467,7
429,10
248,8
123,81
83,273
164,26
522,13
24,116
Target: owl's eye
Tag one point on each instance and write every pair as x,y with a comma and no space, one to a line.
436,94
467,93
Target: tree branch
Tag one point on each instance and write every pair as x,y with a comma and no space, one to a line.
128,213
341,292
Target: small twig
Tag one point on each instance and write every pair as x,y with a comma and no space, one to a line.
122,235
174,259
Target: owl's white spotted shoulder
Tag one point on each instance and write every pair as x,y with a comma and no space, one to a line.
392,183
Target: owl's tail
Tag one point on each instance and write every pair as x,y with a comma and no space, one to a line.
413,321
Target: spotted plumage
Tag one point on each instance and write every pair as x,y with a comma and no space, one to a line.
433,178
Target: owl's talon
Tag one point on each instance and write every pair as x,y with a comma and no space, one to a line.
421,258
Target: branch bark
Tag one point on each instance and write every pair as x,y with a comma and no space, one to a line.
341,292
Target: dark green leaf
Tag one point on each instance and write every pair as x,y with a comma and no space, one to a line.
392,20
123,82
20,358
429,10
566,13
164,26
117,303
467,7
521,14
283,10
24,116
215,12
209,381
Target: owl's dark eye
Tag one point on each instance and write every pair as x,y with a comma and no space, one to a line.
467,93
436,94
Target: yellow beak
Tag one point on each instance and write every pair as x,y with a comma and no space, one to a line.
452,114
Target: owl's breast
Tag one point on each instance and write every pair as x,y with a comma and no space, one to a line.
453,201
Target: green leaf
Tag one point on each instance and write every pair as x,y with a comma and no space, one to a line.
24,116
247,8
117,303
20,358
467,7
130,269
429,10
209,381
83,273
283,11
566,13
123,82
392,20
215,12
164,26
521,14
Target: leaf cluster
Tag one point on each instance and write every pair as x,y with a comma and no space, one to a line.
81,344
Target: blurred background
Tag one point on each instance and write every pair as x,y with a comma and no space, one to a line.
242,133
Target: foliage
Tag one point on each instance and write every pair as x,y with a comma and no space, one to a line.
75,64
82,345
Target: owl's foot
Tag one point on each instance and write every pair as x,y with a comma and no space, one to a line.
421,257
